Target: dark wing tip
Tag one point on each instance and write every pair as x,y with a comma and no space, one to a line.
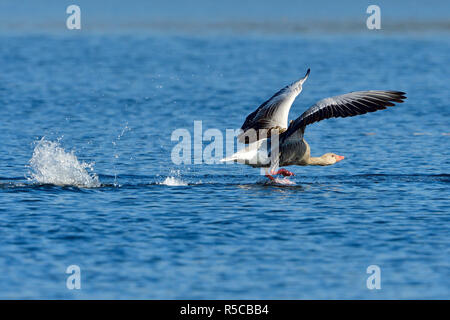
399,95
307,72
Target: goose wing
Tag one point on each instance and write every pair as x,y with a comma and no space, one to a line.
346,105
273,113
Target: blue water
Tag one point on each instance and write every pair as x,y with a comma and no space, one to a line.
140,226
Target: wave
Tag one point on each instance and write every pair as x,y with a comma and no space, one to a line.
51,164
172,181
133,181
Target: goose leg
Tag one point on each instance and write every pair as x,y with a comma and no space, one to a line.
268,175
284,181
284,173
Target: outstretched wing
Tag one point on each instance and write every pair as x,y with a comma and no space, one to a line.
346,105
273,113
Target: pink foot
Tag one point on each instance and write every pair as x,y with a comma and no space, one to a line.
285,173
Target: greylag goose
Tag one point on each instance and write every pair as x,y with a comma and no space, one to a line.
272,143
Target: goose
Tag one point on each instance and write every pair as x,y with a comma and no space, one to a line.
273,144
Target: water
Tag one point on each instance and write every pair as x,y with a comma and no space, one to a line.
86,176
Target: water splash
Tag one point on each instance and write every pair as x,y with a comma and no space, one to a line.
174,179
51,164
115,143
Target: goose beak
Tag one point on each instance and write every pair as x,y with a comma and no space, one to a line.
339,158
306,76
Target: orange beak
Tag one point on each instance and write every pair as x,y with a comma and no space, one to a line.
339,158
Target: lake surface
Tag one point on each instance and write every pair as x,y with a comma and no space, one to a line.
95,112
